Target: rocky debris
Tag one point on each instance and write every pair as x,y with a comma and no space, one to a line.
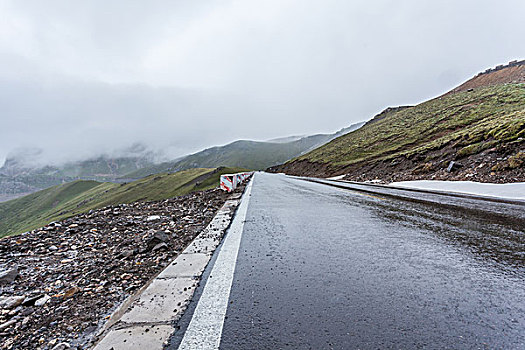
153,218
31,300
453,166
160,246
158,238
6,324
8,276
71,275
7,303
501,164
61,346
41,301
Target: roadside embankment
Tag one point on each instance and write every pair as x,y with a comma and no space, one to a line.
63,281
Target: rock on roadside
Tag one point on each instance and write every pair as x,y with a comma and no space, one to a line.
71,275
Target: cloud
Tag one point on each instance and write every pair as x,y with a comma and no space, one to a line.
80,78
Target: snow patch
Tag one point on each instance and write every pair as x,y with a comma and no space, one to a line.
339,177
510,190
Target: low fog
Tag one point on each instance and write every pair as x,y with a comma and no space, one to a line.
80,79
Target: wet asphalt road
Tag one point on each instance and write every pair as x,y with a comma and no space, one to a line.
321,267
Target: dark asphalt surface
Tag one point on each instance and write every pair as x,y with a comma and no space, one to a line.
321,267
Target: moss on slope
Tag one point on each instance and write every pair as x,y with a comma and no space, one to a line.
471,120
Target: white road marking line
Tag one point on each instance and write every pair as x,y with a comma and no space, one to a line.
205,329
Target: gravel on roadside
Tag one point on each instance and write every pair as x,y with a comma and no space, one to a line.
60,283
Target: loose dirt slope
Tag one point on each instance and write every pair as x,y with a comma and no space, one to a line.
479,128
512,73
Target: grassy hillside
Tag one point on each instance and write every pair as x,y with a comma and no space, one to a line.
484,117
249,154
55,203
253,155
427,136
246,154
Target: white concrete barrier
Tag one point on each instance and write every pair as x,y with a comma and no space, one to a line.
229,182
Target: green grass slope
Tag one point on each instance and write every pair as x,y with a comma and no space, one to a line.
454,125
486,116
55,203
245,154
255,155
249,154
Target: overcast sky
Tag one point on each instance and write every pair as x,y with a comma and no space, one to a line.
79,78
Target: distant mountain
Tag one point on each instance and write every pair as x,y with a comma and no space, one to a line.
474,132
100,168
286,139
255,155
18,175
27,162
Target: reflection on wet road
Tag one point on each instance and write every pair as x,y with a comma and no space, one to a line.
328,268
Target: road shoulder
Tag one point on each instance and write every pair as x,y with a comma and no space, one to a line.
149,316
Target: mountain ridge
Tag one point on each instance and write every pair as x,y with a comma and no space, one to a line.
510,73
18,177
254,155
474,132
